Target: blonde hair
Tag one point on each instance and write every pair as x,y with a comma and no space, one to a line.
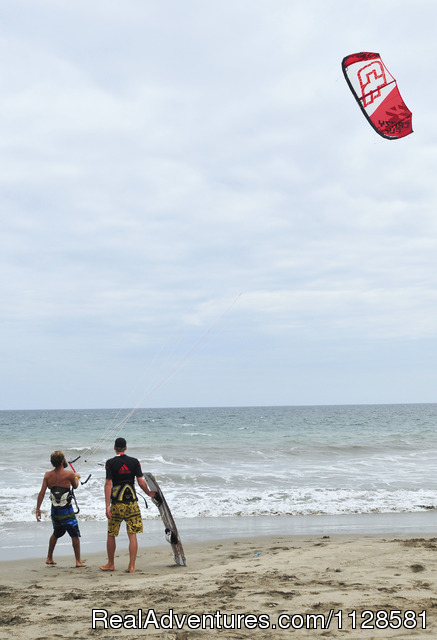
57,458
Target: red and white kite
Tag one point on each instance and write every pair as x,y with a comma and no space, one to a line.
377,93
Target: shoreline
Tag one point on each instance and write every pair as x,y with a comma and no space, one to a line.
30,540
242,585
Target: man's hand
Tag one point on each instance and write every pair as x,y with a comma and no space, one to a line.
108,512
157,500
38,515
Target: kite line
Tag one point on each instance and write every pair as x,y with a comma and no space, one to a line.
114,429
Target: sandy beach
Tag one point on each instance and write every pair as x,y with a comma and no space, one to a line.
327,586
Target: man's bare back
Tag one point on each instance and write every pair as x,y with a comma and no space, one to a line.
61,478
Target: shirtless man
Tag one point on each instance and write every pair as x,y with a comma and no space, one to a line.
60,481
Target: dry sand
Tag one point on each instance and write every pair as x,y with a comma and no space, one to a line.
263,577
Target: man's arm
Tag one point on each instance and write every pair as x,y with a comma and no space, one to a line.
40,498
143,484
74,478
108,491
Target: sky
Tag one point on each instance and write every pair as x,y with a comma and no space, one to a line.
195,212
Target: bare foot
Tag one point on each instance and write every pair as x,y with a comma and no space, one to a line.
130,570
50,561
79,563
107,567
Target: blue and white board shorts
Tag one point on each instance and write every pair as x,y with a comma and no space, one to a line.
64,521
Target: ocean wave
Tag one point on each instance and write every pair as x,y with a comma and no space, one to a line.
193,434
223,503
160,459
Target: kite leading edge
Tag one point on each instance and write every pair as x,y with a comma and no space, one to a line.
377,93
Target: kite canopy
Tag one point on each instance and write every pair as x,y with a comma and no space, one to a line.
377,93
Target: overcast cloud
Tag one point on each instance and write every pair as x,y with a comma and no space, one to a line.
157,159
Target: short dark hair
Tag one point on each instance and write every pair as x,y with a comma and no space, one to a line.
120,444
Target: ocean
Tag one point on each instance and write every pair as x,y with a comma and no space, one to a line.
219,465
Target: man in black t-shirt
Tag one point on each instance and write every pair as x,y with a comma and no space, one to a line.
122,503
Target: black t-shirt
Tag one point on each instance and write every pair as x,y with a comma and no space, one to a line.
123,470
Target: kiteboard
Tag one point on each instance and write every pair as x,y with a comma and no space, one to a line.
171,531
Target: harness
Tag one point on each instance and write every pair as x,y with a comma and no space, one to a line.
63,497
123,493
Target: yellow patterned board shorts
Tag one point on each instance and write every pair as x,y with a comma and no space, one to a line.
128,511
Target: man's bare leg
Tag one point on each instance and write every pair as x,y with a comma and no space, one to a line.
52,545
110,548
133,550
76,547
